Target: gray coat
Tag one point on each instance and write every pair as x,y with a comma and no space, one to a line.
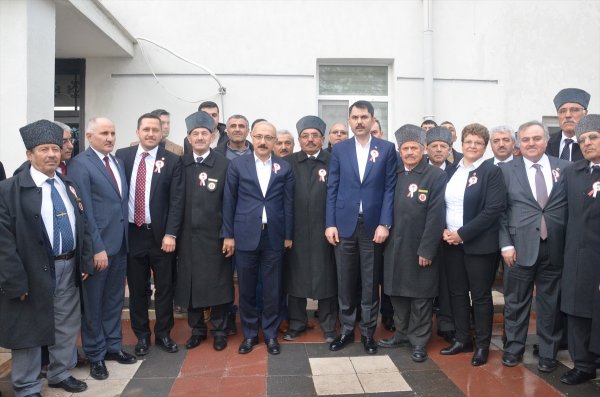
204,275
27,262
419,220
310,271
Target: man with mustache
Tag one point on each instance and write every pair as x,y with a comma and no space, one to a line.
502,141
237,132
571,105
337,133
285,143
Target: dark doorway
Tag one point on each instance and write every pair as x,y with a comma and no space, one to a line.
69,97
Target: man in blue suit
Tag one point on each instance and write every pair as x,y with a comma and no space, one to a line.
101,178
360,202
258,216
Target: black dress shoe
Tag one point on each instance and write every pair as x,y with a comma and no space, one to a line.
167,344
247,345
219,342
480,357
273,346
576,376
121,357
449,336
457,347
341,341
547,364
98,370
142,347
70,385
294,333
369,344
388,323
194,341
511,360
393,342
419,354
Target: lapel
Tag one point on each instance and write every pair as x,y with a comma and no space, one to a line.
353,158
251,167
99,164
274,160
521,174
555,171
160,155
31,200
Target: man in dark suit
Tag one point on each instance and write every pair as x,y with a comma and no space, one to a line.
101,178
156,194
258,221
360,201
532,235
571,105
455,156
502,142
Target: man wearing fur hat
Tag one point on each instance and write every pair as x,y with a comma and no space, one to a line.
571,105
45,251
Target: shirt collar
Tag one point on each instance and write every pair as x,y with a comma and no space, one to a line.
496,160
204,156
100,154
257,160
543,161
151,153
315,155
39,177
473,166
359,146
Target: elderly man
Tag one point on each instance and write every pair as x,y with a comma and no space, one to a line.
439,146
580,274
571,105
237,132
532,235
502,141
213,111
284,146
410,274
45,251
337,133
455,156
311,269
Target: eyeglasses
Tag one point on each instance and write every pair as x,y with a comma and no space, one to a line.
268,138
308,136
592,138
338,132
573,110
473,143
69,140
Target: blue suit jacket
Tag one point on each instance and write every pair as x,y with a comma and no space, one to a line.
345,190
105,208
243,202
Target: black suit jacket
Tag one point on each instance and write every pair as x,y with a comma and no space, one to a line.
553,148
166,191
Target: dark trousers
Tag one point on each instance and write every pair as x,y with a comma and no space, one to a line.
579,330
266,260
445,319
218,320
356,256
412,317
474,273
145,255
518,290
327,313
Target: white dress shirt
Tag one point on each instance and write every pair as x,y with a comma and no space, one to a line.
362,156
546,170
113,167
496,161
263,171
150,160
455,194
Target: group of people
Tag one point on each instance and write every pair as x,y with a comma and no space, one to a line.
342,224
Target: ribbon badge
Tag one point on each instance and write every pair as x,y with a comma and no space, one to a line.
556,174
72,189
374,155
158,164
472,180
276,167
322,173
203,177
595,189
412,188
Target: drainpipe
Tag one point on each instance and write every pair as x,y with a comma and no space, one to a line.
428,59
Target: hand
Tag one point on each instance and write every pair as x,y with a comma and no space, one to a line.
100,261
22,297
331,233
228,247
452,238
381,234
84,276
168,244
287,244
509,256
424,261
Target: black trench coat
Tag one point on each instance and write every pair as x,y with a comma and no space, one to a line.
419,220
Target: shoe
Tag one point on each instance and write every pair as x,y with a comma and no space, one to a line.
419,354
247,345
329,337
219,342
388,323
142,347
194,341
231,328
81,361
457,347
284,326
449,336
480,357
369,344
293,333
547,364
31,395
576,376
167,344
70,385
511,360
121,357
341,341
98,370
393,342
273,346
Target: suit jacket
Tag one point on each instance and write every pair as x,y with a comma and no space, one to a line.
2,172
484,202
166,191
457,156
106,208
520,224
243,202
345,190
553,148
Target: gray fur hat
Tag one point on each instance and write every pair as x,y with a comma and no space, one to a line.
574,95
588,123
311,122
410,133
199,120
439,134
41,132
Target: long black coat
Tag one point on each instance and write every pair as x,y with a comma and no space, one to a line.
204,275
419,220
27,262
310,271
582,245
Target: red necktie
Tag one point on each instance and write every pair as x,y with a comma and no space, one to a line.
139,213
112,175
63,168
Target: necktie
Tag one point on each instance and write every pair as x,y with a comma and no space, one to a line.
61,224
542,197
500,162
199,159
112,175
63,168
566,153
596,170
312,157
139,213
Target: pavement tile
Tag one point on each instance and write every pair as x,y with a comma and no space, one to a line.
243,386
159,364
144,387
331,366
291,386
431,383
327,385
383,382
251,364
189,386
373,364
293,362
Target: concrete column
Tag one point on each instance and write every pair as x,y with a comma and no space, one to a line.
27,51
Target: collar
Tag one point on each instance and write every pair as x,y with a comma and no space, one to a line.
39,177
152,152
497,160
358,145
257,160
544,161
204,156
475,164
563,137
100,155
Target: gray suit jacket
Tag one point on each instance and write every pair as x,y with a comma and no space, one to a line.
519,225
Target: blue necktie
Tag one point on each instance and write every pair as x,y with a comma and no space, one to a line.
566,153
61,225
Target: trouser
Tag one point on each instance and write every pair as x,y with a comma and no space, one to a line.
218,320
327,313
579,329
413,319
